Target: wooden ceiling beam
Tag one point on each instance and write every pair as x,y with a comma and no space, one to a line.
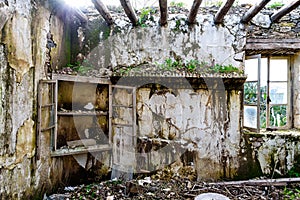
194,11
253,11
285,10
80,15
223,11
163,5
129,11
102,9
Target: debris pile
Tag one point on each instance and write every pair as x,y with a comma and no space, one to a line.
164,185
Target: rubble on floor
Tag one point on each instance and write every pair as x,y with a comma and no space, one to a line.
166,184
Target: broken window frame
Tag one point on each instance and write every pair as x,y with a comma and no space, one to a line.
42,126
268,102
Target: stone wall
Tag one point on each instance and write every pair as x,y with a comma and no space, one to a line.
23,29
201,121
287,27
208,122
124,45
273,154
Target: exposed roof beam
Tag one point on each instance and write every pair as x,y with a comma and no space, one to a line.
102,9
129,11
272,44
80,15
253,11
223,11
194,11
284,10
163,5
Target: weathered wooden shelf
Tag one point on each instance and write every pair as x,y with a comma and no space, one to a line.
81,150
60,113
77,78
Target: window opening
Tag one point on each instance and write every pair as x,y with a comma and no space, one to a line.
266,93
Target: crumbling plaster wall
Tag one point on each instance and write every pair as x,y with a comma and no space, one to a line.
205,122
23,29
201,121
273,154
296,90
205,41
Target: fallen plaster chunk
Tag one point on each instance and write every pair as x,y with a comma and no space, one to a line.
211,196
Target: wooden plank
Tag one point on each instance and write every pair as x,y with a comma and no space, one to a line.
223,11
82,142
102,9
82,150
48,128
54,100
110,97
194,11
101,113
163,5
253,11
47,105
285,10
84,79
263,40
129,11
272,46
134,110
260,182
80,15
39,125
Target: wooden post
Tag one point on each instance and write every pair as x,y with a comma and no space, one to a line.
223,11
80,15
193,12
284,10
253,11
102,9
129,11
163,5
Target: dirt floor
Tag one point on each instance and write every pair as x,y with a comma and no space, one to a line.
182,185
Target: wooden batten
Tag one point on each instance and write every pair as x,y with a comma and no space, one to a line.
194,11
223,11
102,9
253,11
80,15
285,10
129,11
163,5
272,46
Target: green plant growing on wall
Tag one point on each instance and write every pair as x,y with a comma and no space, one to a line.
81,68
214,3
217,68
276,5
195,66
177,4
192,65
146,14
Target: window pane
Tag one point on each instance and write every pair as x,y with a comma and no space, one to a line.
278,93
250,92
278,116
278,69
263,116
250,116
251,69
